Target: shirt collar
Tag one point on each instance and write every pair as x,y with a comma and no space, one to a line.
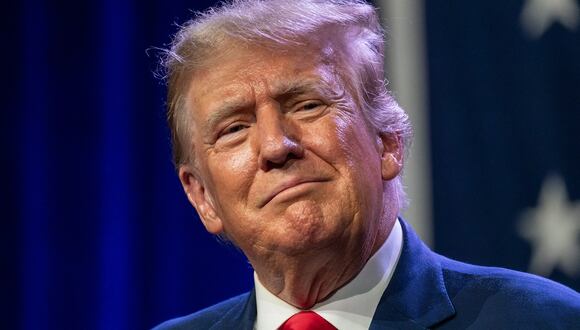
350,307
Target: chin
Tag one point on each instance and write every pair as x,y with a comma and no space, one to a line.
305,227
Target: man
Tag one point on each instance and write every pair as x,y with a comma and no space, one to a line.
288,144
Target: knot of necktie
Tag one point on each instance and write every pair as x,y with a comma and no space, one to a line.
306,320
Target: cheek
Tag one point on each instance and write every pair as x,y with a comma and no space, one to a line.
345,142
327,138
232,174
357,153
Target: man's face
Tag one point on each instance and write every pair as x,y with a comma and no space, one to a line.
285,162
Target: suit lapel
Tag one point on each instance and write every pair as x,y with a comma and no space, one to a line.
242,316
416,297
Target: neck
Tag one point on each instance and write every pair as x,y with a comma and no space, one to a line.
306,279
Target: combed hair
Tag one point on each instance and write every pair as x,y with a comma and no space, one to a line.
288,24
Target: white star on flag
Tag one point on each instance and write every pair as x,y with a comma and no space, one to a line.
538,15
553,230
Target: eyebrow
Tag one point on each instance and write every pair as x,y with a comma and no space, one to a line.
293,88
284,91
225,109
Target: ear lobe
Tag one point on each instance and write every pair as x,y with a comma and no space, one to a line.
391,156
200,199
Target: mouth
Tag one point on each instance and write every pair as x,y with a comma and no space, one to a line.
290,189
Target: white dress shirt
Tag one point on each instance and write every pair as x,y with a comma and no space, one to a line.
351,307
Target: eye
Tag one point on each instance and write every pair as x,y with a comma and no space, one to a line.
309,106
234,128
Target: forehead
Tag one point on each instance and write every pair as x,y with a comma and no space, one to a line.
243,74
243,70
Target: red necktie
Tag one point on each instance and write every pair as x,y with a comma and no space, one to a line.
306,320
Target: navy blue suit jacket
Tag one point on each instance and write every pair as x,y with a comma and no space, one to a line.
430,291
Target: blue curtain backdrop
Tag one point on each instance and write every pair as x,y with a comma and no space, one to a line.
96,232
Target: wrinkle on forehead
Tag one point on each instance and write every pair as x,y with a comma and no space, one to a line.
247,80
243,88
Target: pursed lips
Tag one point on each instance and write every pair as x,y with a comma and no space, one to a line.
288,184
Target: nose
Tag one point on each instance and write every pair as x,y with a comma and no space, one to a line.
277,141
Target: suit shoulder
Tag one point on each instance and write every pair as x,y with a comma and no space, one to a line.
205,318
462,275
515,294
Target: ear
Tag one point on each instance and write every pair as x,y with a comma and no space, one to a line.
200,199
391,155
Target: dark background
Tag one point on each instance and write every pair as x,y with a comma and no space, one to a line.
96,231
